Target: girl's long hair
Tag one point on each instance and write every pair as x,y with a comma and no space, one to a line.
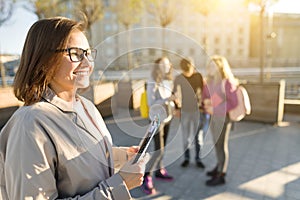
223,68
158,75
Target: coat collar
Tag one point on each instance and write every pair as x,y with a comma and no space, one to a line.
52,98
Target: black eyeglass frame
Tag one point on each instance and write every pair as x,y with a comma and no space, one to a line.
91,56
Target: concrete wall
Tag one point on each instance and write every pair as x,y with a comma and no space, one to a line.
129,93
8,104
267,101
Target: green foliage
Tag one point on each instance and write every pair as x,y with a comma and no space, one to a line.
92,10
48,8
205,7
164,11
128,11
88,10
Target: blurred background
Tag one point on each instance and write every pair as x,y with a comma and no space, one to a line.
260,38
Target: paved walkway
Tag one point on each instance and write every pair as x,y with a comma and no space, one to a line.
264,161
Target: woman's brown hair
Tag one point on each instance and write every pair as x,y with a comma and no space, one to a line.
157,74
39,59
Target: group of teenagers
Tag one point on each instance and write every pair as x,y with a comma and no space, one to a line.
200,103
57,146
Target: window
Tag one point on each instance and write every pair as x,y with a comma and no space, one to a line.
241,52
241,30
217,40
107,15
192,51
241,41
107,27
151,52
109,52
228,52
229,40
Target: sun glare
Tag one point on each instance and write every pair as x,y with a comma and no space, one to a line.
287,6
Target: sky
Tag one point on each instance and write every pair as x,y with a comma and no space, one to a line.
13,32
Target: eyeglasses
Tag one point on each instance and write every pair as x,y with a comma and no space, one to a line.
77,54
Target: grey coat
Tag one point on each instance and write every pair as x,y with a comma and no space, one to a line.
47,152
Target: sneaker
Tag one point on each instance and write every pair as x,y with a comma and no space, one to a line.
200,164
213,172
216,180
162,174
147,185
185,163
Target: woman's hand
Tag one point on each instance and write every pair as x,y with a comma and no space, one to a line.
131,151
208,107
177,113
133,174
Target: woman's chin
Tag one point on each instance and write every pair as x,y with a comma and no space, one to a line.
82,84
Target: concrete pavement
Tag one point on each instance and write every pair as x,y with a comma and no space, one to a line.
264,161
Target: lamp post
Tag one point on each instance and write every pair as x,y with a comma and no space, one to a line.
262,41
270,35
266,33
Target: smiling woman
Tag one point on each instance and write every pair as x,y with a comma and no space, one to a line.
63,148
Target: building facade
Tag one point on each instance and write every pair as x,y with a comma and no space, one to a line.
230,30
224,31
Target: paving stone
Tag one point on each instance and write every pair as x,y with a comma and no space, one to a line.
262,158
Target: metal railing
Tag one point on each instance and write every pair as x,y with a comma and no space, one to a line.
291,75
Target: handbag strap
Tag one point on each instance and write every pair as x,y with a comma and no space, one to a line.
107,153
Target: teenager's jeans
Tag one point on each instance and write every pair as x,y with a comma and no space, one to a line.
201,133
189,125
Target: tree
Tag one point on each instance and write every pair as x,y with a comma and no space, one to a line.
6,10
91,11
87,10
47,8
128,12
205,7
164,12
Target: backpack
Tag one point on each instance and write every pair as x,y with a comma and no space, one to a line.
243,108
144,108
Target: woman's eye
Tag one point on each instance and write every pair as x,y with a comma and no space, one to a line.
75,54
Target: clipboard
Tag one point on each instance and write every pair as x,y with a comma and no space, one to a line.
145,142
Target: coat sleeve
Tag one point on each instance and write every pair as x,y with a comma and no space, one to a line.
30,166
205,91
151,94
231,95
120,156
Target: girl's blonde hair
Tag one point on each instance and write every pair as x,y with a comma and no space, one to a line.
223,68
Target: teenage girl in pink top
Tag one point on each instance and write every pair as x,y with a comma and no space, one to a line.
220,92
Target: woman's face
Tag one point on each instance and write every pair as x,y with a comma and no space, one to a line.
73,75
165,65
